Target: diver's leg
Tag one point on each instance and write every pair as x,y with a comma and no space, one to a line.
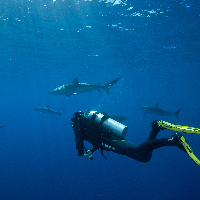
154,131
142,152
146,148
123,147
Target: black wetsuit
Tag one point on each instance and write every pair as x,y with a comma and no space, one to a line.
103,139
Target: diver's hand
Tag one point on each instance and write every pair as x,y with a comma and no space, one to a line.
88,154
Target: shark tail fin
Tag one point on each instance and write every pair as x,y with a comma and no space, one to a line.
109,85
177,112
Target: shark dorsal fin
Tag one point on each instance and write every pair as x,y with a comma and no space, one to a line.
156,105
75,82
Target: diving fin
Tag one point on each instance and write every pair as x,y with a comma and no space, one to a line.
182,141
178,128
189,150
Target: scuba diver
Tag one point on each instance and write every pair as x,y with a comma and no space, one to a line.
104,133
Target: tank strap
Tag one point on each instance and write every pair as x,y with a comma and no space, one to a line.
104,118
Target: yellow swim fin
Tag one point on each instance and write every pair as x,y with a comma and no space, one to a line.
178,128
189,150
182,141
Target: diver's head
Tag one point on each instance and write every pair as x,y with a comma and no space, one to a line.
77,115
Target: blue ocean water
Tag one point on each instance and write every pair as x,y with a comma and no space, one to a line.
152,45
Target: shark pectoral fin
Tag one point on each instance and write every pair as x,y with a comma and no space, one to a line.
75,81
177,112
156,105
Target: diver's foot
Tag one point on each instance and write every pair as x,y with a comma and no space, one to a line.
155,126
176,141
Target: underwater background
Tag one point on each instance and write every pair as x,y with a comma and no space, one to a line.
153,45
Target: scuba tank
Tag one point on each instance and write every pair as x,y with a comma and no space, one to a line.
107,122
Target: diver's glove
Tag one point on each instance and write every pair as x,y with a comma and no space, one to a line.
88,154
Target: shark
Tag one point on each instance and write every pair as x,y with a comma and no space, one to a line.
1,126
118,118
158,111
46,109
77,88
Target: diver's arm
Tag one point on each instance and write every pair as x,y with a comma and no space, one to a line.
80,144
94,148
80,147
79,140
88,154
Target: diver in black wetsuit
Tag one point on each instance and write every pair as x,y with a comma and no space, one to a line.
107,134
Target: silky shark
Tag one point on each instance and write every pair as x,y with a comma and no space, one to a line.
76,88
115,117
118,118
158,111
46,109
